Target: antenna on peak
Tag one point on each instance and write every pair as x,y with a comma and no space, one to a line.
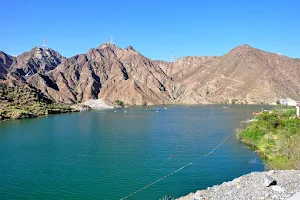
45,43
111,39
172,58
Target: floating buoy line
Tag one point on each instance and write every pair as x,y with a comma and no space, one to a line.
177,170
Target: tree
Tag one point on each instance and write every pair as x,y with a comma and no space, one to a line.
119,103
278,102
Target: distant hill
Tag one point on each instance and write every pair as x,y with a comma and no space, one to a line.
243,75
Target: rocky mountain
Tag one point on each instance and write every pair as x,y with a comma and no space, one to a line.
38,60
110,73
244,75
5,63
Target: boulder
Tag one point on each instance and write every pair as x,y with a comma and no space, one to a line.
268,181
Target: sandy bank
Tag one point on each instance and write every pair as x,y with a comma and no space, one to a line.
97,104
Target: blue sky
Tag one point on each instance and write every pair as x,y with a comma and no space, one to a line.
156,28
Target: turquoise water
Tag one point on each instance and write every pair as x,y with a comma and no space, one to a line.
109,155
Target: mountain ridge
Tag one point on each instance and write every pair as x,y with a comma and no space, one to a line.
243,75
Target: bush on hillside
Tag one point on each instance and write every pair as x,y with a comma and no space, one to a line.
119,103
276,134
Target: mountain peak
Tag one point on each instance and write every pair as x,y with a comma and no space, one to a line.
36,60
243,49
106,44
39,53
243,46
2,53
5,58
129,48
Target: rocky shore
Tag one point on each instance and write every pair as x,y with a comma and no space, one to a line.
271,185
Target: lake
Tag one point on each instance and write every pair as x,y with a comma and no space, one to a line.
110,154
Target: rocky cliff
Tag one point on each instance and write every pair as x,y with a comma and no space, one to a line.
37,60
244,75
5,63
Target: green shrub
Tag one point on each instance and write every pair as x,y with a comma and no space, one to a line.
278,102
119,103
233,101
22,102
275,134
165,198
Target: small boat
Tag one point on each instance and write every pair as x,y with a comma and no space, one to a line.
225,107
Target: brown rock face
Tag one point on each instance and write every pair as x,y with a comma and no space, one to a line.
107,72
245,74
5,63
250,75
38,60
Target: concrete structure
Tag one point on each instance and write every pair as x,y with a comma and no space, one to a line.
288,102
45,43
298,108
172,58
111,39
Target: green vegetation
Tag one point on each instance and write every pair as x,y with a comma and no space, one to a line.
278,102
26,102
276,134
233,101
119,103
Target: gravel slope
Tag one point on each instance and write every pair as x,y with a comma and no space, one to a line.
271,185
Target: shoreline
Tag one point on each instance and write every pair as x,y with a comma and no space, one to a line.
268,185
275,126
23,113
91,104
274,134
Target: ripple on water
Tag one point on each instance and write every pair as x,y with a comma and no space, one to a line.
108,155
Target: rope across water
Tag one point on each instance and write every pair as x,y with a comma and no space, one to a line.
181,168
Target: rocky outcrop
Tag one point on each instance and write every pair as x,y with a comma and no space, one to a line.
244,75
272,185
37,60
5,63
97,104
